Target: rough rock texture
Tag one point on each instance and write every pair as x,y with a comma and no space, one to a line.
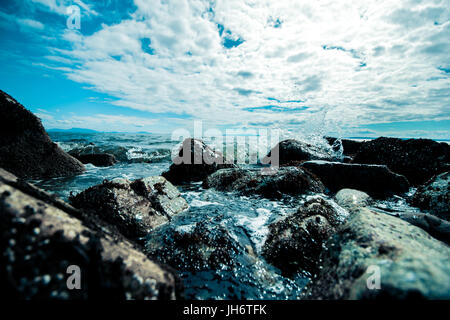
349,147
286,180
416,159
350,198
412,264
438,228
97,159
434,196
295,242
378,181
39,241
196,164
135,207
293,150
194,247
26,149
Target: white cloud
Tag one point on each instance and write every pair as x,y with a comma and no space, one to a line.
358,63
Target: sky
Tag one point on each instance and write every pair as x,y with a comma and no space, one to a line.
347,68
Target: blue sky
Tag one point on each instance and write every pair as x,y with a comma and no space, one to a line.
339,67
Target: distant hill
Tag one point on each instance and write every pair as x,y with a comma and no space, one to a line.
74,130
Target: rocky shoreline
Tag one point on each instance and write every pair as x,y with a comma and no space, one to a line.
337,241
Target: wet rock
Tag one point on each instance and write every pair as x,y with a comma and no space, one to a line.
417,159
434,196
350,199
39,242
410,262
295,242
135,207
286,180
195,161
196,247
97,159
437,228
292,150
26,150
378,181
119,152
349,147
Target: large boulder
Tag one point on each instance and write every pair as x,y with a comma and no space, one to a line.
120,153
374,246
378,181
196,247
434,196
286,180
295,242
136,207
350,199
44,248
26,150
194,162
416,159
97,159
291,151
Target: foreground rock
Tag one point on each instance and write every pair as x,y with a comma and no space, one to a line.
411,263
434,196
26,150
378,181
292,151
134,207
195,247
286,180
349,147
351,199
40,241
195,161
295,242
97,159
417,159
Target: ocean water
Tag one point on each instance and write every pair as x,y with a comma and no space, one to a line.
245,218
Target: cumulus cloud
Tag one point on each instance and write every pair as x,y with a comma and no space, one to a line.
222,61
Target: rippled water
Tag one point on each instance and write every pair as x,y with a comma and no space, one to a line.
245,218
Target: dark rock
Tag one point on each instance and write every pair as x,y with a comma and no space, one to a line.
437,228
39,241
135,207
196,247
293,150
378,181
195,161
411,264
26,149
295,242
119,152
434,196
416,159
97,159
349,147
286,180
